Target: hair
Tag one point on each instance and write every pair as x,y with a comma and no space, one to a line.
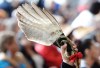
79,45
86,44
70,35
6,38
95,7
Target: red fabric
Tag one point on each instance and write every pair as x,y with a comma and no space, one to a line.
75,57
50,55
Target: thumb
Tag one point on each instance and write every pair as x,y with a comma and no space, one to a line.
63,49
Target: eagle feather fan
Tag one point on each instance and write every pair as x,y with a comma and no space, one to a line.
38,25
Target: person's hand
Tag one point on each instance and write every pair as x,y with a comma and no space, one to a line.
64,54
70,59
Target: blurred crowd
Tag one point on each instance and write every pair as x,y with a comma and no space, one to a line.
79,20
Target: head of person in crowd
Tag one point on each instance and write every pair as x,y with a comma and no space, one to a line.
95,8
90,50
28,50
10,49
7,42
3,14
7,7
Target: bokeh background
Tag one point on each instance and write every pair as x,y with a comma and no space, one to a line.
79,20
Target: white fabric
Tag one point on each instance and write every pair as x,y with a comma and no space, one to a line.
84,19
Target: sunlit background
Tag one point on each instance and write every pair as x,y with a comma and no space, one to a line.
79,20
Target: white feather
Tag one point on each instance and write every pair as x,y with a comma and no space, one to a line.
38,25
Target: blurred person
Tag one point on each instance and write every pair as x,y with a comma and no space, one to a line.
90,54
9,51
30,1
59,8
16,3
10,5
3,14
2,27
68,31
29,52
55,7
11,24
66,63
83,5
15,27
50,54
7,7
85,18
69,62
97,40
39,3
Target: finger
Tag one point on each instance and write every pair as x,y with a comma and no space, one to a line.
63,49
75,46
